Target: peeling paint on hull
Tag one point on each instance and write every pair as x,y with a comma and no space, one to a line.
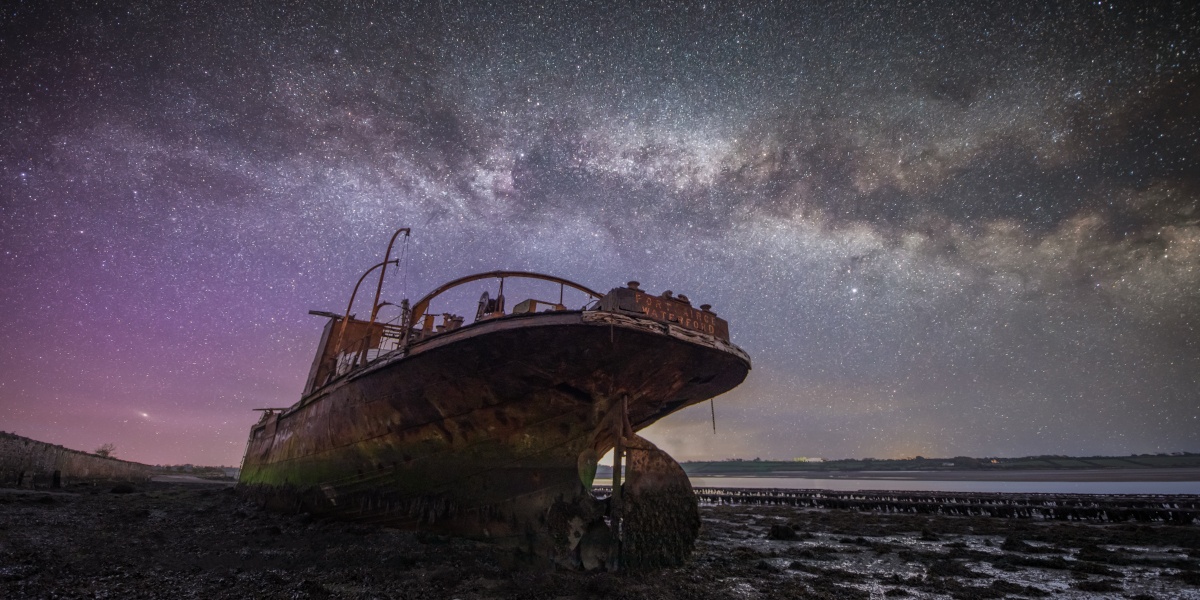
489,431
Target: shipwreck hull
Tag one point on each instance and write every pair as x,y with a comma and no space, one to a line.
488,431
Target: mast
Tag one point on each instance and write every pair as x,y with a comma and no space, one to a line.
386,257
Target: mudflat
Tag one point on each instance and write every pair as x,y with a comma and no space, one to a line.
181,539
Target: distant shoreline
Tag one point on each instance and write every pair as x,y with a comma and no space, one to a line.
1161,474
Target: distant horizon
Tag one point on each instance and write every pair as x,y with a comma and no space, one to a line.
826,459
602,464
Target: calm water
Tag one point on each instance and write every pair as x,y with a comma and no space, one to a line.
912,485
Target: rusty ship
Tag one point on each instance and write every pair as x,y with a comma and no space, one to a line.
493,429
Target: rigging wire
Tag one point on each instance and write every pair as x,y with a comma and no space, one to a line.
712,407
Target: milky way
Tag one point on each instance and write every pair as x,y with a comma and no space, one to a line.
937,230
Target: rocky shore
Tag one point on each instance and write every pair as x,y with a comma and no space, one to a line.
192,540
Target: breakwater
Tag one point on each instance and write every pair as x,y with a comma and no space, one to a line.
1150,508
1059,507
29,463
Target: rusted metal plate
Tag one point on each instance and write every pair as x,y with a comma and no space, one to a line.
661,518
493,430
479,431
668,309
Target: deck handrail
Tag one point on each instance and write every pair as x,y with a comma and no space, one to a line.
420,307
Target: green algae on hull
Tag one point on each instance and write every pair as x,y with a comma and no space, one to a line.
484,430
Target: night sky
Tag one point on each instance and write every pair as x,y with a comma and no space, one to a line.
936,229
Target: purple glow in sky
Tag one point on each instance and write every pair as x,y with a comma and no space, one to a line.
937,230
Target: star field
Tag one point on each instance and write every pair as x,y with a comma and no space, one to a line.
938,229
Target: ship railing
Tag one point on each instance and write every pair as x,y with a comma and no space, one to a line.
432,324
361,352
429,325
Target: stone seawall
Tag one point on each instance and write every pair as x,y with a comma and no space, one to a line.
29,463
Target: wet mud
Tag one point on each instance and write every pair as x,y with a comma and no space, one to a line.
177,540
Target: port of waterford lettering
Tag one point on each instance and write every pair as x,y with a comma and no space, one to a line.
665,309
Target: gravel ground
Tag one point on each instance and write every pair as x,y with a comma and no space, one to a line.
188,540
